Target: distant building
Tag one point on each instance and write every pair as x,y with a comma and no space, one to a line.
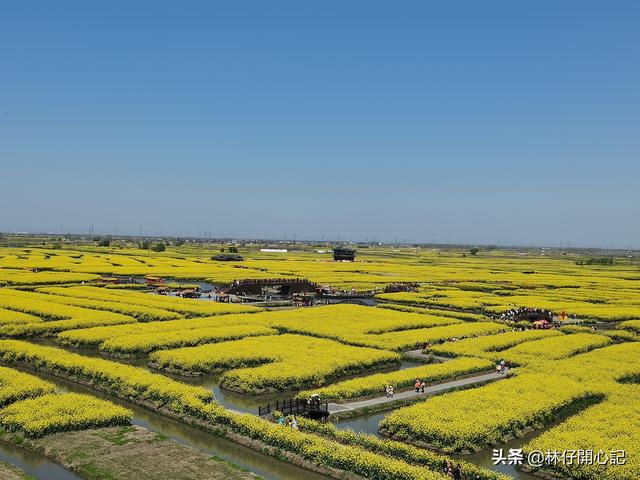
154,281
227,257
344,254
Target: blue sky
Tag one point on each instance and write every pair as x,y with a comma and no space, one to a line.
472,122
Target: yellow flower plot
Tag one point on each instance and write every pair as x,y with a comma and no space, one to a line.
579,384
553,348
605,299
21,277
183,306
140,312
471,419
489,346
62,412
631,325
139,344
606,429
12,317
547,386
140,338
283,362
57,317
376,327
612,425
125,380
16,385
375,384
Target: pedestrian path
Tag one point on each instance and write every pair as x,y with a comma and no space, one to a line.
429,390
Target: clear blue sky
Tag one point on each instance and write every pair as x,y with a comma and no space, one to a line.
464,121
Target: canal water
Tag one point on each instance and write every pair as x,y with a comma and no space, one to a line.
263,465
36,465
369,424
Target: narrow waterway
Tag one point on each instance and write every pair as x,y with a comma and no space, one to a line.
36,465
263,465
231,400
369,424
485,458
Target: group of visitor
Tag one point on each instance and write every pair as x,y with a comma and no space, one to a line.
525,313
288,421
452,470
502,367
419,386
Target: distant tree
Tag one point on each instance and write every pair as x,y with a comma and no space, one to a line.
233,249
179,242
56,246
596,261
104,242
159,247
144,245
474,250
222,249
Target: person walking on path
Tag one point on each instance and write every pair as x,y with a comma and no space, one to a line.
456,472
422,385
391,391
417,386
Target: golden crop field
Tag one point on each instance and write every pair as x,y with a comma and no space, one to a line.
574,384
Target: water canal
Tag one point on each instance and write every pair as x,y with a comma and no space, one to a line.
261,464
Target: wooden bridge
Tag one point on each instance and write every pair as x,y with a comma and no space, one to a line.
297,406
276,286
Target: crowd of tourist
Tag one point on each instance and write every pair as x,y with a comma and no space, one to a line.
288,421
526,313
419,386
503,367
452,470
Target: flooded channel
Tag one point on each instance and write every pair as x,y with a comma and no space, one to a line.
369,424
263,465
256,462
36,465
